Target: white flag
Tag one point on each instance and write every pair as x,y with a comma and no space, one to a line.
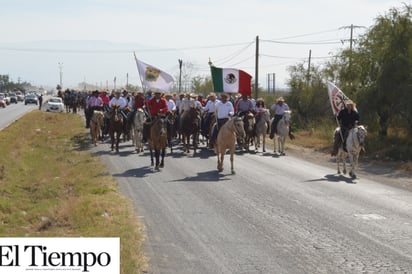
153,77
336,97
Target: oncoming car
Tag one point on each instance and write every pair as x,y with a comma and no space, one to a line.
55,104
31,99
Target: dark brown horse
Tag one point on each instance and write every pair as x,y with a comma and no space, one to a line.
249,123
189,127
115,126
171,128
157,140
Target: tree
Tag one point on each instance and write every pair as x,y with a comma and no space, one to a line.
383,64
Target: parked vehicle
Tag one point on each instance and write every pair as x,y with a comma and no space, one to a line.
2,101
55,104
13,98
6,98
31,99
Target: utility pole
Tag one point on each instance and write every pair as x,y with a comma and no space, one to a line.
271,82
180,75
351,40
127,79
308,72
61,74
257,67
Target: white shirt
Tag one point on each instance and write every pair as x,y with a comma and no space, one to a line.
224,110
279,109
120,101
171,105
210,106
186,104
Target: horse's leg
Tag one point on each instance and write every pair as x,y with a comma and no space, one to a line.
157,156
118,135
232,152
352,165
151,156
220,157
112,139
264,141
162,161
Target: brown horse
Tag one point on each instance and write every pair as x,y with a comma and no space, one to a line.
171,128
96,123
157,140
226,139
189,127
115,126
249,125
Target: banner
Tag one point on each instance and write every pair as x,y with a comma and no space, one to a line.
337,98
153,77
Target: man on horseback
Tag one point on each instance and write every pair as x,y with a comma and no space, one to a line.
118,100
244,105
279,108
224,109
347,119
157,107
93,103
209,110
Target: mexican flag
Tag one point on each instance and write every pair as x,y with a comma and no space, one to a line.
231,80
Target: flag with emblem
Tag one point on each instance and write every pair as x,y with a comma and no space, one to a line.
231,80
337,98
153,77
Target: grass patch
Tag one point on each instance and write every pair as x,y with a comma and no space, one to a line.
51,186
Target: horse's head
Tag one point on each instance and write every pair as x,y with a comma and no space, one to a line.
287,116
160,126
361,132
265,115
99,117
239,127
249,121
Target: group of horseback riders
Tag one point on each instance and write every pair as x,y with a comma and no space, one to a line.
154,103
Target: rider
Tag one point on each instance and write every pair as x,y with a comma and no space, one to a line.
347,119
94,102
244,105
224,109
209,110
157,106
118,100
279,108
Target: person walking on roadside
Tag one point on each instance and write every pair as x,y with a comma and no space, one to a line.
40,101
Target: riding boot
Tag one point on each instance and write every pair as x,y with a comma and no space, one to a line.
146,127
291,136
213,137
272,132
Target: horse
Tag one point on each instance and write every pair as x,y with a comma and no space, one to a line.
171,128
96,123
226,139
355,142
189,127
137,129
249,123
115,126
157,140
261,128
282,131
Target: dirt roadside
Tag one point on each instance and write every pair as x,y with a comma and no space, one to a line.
388,173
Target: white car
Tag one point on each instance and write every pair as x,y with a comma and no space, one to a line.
55,104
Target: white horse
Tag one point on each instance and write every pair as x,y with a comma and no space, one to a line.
261,129
282,131
354,144
137,129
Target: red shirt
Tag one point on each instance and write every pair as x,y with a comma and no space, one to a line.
139,102
105,99
157,105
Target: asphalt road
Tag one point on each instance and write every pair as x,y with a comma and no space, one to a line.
275,215
13,112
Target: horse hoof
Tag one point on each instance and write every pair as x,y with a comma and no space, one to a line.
220,169
157,168
233,172
162,165
338,171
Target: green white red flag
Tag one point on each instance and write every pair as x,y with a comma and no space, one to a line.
231,80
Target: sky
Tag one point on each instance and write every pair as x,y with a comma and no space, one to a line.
43,41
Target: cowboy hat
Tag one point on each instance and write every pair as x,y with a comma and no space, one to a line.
280,99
